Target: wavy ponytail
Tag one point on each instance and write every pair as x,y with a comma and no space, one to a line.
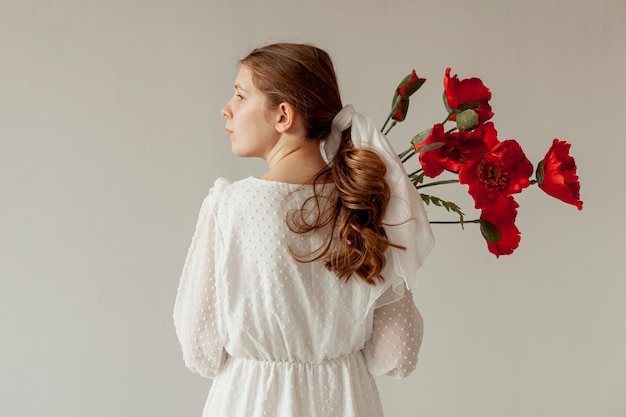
355,216
363,195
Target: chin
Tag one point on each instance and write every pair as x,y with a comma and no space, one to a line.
243,153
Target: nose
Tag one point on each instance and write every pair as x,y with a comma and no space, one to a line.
225,112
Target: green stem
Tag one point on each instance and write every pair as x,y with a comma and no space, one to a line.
390,127
408,156
456,222
447,118
416,172
431,184
407,150
386,121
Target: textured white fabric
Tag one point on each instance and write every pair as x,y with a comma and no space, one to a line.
282,338
405,220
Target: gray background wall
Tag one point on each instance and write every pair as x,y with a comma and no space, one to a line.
110,136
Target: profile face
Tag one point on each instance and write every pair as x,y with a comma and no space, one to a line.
250,123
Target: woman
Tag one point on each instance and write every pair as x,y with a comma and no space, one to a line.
295,291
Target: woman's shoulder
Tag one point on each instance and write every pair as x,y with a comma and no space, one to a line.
227,193
253,184
224,189
219,186
226,185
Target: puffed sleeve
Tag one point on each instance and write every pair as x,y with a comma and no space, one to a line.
396,338
197,320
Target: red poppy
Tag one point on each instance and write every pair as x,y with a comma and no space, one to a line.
503,171
458,148
410,84
467,93
556,174
497,224
401,107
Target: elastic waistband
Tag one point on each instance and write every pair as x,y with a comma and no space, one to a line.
343,358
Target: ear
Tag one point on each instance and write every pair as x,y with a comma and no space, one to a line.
286,117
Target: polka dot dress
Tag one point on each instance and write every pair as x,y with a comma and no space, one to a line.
282,338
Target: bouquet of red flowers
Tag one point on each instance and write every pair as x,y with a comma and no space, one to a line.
493,170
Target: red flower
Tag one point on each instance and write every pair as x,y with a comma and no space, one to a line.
497,224
401,107
458,148
556,174
467,93
503,171
410,84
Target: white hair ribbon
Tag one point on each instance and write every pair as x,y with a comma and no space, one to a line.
405,220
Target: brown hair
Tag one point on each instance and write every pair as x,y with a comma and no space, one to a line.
303,76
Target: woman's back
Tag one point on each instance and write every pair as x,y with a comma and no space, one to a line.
279,337
275,308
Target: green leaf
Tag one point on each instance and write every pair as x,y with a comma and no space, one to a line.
450,206
418,178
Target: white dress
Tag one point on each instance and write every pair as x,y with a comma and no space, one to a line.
278,337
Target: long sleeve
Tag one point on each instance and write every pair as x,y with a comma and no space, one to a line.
197,318
396,338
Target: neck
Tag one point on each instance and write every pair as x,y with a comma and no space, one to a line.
295,164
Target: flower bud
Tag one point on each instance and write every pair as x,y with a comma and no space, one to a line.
467,120
409,85
421,137
400,109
